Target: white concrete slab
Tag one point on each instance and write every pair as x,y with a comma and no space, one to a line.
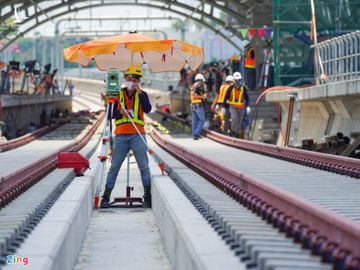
190,242
123,237
56,240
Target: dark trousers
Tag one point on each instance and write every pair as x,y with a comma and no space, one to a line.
250,78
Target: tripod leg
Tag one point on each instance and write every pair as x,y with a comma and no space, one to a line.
102,158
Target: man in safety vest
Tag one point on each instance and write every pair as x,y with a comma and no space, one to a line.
219,100
136,102
198,95
250,67
236,99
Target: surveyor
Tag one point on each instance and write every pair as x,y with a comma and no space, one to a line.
133,102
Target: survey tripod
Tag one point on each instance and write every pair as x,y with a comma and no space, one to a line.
111,98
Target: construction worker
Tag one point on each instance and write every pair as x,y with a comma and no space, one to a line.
198,96
250,66
236,99
219,100
136,102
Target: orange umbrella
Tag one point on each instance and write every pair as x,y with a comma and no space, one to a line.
120,52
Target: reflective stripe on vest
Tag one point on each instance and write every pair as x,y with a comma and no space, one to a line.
222,93
249,62
195,100
136,118
240,99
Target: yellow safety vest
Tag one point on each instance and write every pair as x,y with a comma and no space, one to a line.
136,118
239,101
222,93
195,100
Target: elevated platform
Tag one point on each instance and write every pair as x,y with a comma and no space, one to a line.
320,110
18,111
346,89
20,100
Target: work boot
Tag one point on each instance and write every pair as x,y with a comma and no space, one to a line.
196,137
147,200
233,134
105,201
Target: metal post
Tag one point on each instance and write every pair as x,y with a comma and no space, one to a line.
34,49
128,175
289,119
61,68
52,56
44,50
182,30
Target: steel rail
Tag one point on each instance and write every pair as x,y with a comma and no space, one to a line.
326,162
173,117
17,142
328,234
16,182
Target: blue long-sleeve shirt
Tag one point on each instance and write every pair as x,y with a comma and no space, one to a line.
227,96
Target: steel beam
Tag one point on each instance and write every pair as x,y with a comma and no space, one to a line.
226,37
169,8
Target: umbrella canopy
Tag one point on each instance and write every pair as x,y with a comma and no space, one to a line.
120,52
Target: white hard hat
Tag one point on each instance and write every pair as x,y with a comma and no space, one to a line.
229,78
237,75
199,77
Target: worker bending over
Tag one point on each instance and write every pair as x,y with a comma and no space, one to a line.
219,100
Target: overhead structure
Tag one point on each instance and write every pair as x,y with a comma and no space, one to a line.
225,18
293,47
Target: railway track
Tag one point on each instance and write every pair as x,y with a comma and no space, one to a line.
317,208
15,143
20,211
326,162
85,102
271,217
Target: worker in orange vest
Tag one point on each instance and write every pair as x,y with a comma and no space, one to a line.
250,67
136,102
237,100
198,96
219,100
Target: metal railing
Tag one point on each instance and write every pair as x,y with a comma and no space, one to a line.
341,58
